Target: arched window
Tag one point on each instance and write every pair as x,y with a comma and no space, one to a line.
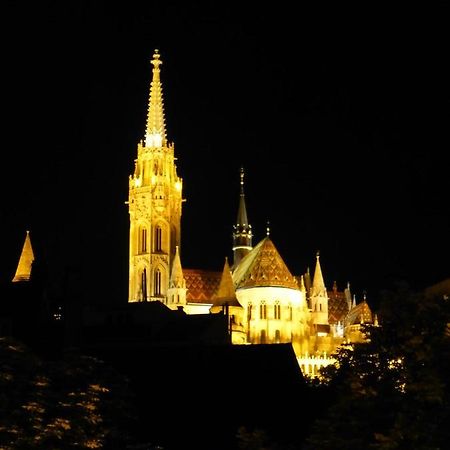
249,311
158,238
263,337
143,240
277,336
157,287
263,310
144,285
277,310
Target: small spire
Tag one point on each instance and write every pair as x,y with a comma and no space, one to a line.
302,284
242,234
318,285
23,271
354,301
242,220
155,135
176,277
335,288
226,290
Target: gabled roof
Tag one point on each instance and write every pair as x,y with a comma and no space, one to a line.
263,266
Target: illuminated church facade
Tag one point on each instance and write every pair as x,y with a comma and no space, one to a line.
264,302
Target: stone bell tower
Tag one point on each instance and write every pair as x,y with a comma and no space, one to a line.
154,204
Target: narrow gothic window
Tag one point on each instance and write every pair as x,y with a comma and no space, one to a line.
249,312
277,311
143,240
144,285
262,311
157,288
158,238
320,306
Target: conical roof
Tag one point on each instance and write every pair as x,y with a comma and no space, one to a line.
23,271
176,277
226,294
318,285
263,266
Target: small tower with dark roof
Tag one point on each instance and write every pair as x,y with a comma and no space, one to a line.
319,296
242,231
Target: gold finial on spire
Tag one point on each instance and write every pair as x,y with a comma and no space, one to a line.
317,254
242,181
268,228
156,59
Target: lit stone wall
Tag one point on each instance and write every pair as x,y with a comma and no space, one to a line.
275,315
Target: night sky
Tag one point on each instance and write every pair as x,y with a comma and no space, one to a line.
338,114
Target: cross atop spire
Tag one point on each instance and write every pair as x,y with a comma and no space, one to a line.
155,134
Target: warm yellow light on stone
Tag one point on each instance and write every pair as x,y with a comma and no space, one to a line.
154,203
153,140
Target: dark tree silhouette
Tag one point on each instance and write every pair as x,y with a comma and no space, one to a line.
393,391
76,402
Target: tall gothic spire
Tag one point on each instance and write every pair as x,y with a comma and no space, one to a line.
242,234
23,271
318,285
155,134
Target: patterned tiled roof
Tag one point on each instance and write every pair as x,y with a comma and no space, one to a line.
263,266
337,306
360,313
201,284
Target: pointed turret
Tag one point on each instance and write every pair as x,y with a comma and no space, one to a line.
302,284
226,292
155,134
23,271
225,301
319,296
318,285
176,294
242,234
176,277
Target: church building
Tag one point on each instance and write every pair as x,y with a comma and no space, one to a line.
264,302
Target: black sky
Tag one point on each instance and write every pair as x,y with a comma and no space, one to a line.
339,115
